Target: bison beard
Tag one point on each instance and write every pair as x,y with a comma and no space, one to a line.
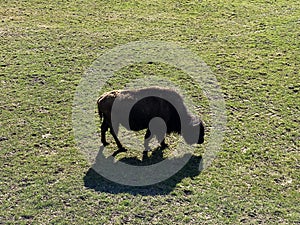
147,111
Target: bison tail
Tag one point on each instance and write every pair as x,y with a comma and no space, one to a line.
100,115
99,110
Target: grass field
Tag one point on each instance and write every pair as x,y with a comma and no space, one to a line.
251,46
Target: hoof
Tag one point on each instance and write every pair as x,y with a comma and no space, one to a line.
105,143
145,156
119,151
163,146
122,149
145,152
147,149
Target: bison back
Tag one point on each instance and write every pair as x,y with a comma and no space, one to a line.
148,108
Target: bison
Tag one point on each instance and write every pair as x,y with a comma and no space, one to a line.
159,110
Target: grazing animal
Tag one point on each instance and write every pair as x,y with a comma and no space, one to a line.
159,110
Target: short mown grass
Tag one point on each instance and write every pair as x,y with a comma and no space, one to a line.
251,46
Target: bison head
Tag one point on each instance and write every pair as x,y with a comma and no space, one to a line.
194,133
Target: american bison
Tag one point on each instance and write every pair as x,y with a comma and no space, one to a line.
159,110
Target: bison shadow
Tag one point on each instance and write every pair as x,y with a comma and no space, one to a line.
93,180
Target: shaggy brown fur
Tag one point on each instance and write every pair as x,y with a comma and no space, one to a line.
142,106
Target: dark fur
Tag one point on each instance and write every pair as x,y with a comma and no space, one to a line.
143,111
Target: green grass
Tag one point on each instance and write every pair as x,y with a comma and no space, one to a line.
251,46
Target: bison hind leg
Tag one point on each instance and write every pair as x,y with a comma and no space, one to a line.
114,134
104,128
